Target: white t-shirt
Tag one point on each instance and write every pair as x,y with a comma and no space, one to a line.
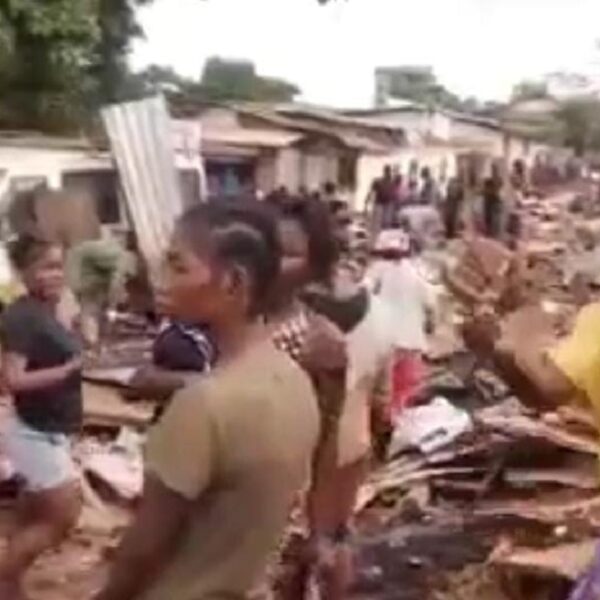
370,348
408,295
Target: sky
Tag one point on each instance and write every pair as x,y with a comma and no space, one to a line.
477,48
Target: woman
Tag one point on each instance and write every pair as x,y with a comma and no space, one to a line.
225,460
42,369
344,375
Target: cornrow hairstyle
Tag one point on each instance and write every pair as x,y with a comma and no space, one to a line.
242,234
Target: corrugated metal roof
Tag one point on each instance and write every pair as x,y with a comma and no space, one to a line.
26,139
267,138
345,134
141,137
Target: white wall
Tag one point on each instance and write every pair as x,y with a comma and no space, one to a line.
370,166
287,168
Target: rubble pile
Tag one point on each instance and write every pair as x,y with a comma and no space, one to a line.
482,497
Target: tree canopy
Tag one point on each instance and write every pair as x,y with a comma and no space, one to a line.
572,120
60,59
222,81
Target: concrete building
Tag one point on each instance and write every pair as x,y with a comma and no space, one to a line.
263,147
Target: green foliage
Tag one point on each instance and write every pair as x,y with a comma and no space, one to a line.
222,81
238,80
573,122
580,120
47,47
418,85
61,59
530,90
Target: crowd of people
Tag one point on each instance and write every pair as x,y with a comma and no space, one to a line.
432,206
271,370
278,371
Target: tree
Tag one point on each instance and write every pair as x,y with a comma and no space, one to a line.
580,120
61,59
530,90
118,27
418,84
238,80
222,81
47,50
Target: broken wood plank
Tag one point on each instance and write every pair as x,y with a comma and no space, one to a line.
104,406
585,479
566,560
372,489
552,512
522,426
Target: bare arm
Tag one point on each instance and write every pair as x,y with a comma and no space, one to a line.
524,365
154,383
19,379
148,544
532,374
330,388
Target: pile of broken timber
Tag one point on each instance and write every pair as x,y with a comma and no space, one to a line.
520,490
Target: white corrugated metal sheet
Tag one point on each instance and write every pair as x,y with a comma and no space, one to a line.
141,137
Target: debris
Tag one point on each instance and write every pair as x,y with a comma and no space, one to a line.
118,466
523,426
583,479
429,427
566,560
104,406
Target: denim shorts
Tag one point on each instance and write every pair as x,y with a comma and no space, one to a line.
43,459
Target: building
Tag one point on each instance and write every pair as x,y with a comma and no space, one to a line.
257,147
442,140
77,185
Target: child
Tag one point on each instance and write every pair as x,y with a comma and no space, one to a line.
394,278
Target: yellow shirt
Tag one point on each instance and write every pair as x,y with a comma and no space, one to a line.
239,445
578,356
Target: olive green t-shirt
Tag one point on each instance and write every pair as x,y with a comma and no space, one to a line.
239,445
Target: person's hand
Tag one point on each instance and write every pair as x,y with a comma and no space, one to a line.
481,333
146,379
529,327
324,346
72,366
152,384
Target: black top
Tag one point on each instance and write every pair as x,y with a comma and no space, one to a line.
181,347
385,191
28,328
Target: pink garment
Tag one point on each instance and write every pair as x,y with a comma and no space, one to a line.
408,375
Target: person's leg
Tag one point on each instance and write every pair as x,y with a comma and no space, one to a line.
50,505
46,517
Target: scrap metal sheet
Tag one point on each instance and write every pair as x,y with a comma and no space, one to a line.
141,137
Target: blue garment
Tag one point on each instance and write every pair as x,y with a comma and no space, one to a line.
182,347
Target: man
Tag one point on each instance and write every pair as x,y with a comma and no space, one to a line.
429,194
383,198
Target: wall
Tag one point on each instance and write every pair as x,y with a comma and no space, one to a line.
287,169
318,168
481,138
370,167
47,163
